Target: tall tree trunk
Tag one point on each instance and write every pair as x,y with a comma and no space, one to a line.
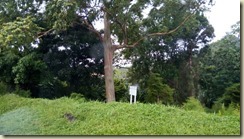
191,79
108,60
191,76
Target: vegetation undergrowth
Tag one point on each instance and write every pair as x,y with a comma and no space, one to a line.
67,116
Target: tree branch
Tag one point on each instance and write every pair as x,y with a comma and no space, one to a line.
153,34
171,31
122,26
91,28
44,33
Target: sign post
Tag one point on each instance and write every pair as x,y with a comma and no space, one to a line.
133,92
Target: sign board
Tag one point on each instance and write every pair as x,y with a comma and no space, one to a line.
133,92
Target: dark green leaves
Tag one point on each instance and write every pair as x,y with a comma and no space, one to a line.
220,68
157,91
28,69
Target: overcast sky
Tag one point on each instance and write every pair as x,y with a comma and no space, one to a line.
223,15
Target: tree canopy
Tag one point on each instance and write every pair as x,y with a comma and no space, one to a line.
220,67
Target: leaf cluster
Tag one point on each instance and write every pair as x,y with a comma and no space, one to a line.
22,31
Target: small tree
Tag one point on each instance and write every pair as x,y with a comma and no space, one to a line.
193,104
157,91
231,95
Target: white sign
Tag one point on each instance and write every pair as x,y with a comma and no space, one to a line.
133,92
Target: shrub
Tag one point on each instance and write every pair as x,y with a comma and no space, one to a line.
22,93
221,109
3,88
233,109
231,95
77,96
193,104
121,90
157,90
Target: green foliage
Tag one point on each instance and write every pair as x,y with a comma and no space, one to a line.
51,73
3,88
193,104
220,109
121,90
229,103
76,68
220,68
20,32
233,109
77,96
51,87
235,29
157,91
8,59
47,117
28,72
11,9
28,69
50,24
5,106
231,95
60,14
172,56
21,92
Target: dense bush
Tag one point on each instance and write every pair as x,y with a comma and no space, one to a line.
22,93
157,90
121,90
193,104
77,96
221,109
3,88
231,95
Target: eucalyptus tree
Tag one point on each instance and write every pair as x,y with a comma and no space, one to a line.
122,21
196,34
173,56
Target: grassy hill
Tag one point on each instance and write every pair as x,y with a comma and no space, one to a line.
66,116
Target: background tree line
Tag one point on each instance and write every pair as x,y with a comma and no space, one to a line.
210,72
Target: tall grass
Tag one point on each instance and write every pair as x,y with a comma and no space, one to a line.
49,117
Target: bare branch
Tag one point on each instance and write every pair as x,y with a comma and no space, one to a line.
116,47
171,31
44,33
91,28
153,34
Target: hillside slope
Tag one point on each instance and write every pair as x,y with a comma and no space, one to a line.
65,116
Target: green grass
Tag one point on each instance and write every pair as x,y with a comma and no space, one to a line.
25,116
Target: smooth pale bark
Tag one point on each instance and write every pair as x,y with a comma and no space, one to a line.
108,61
